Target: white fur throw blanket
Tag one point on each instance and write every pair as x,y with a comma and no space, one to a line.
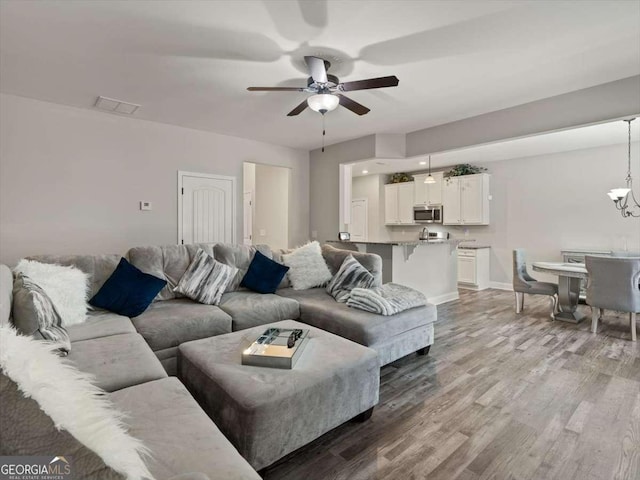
388,299
69,398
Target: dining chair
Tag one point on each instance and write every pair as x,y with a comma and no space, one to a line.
613,285
525,283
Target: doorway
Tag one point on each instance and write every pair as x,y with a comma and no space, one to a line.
266,191
206,208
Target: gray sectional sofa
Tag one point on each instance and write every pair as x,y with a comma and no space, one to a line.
134,359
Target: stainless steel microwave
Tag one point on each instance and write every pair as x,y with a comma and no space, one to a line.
427,214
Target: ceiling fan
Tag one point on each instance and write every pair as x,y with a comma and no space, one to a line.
327,89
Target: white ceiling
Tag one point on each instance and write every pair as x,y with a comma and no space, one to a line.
611,133
189,62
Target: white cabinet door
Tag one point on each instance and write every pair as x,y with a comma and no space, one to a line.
451,201
471,197
405,202
435,189
467,269
421,190
391,204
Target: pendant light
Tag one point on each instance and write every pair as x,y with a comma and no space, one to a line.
429,178
623,198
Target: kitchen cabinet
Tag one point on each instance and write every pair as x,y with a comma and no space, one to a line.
465,200
428,193
473,268
398,203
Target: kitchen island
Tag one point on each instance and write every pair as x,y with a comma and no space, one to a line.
428,266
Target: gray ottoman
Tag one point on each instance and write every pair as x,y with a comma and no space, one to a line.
268,413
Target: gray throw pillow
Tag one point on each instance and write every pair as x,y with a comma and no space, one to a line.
206,279
350,275
34,312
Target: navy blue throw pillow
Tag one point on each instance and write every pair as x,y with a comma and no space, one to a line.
128,291
264,275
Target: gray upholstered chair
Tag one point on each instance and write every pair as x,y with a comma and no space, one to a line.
525,283
613,285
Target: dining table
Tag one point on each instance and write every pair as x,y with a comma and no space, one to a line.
570,276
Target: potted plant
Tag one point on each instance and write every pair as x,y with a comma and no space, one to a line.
400,178
463,169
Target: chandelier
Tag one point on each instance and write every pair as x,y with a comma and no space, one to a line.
622,197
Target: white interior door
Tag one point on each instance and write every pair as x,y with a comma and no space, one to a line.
358,226
206,208
247,209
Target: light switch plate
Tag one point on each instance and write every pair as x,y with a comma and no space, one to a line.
145,205
263,232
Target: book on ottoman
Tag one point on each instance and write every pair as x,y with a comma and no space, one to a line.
276,348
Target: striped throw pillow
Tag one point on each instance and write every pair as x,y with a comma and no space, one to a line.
48,319
350,275
205,279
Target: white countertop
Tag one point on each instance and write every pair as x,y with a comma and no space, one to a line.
455,241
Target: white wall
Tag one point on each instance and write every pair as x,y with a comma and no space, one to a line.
71,179
271,201
371,187
553,202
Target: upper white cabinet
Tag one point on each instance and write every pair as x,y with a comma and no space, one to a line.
465,200
398,203
428,193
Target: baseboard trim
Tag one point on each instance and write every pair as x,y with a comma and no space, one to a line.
501,286
447,297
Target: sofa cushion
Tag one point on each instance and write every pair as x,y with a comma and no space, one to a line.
128,291
206,279
172,322
335,257
264,275
98,267
100,323
27,430
180,436
319,309
249,309
167,262
69,397
240,257
117,361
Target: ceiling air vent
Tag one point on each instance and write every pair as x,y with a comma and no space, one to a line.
116,106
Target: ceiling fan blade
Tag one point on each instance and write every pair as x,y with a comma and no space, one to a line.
276,89
381,82
298,109
352,105
316,69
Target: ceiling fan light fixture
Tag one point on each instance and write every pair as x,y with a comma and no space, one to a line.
323,102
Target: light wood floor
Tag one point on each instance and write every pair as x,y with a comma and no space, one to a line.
500,396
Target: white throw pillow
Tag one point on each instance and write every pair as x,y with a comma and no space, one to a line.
307,268
67,287
72,402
